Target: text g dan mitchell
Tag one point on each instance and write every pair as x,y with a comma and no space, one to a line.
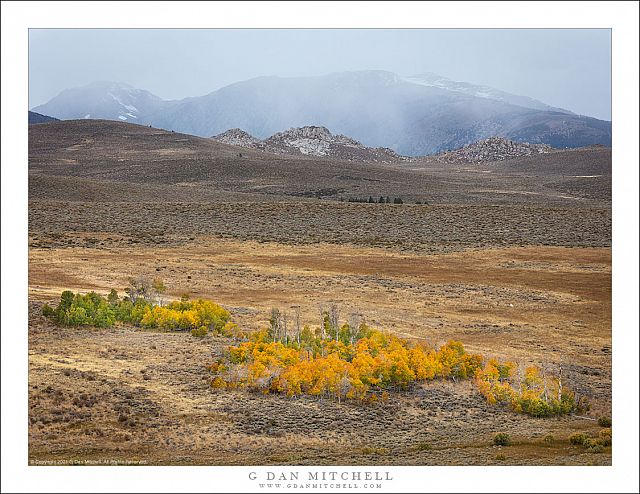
320,476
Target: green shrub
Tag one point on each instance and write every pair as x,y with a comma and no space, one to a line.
502,439
200,332
549,439
578,439
113,298
66,300
47,311
536,407
93,309
76,316
423,446
604,421
500,457
82,310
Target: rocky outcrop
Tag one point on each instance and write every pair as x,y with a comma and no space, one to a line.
492,149
238,137
311,141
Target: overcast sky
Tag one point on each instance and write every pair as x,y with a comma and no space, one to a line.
565,68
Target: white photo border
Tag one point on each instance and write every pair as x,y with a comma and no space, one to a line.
18,17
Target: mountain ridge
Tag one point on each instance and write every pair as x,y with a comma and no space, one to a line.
482,91
192,166
376,108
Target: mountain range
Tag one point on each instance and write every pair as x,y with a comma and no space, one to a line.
413,116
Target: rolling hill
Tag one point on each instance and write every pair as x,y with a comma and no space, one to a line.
36,118
122,161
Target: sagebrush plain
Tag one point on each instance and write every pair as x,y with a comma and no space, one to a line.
511,258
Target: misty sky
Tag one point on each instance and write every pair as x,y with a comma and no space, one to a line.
568,68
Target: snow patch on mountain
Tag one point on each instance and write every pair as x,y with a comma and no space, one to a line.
479,91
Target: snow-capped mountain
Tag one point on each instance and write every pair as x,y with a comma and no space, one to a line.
430,79
106,100
413,116
311,141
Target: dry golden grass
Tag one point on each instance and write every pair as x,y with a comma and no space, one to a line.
565,292
543,305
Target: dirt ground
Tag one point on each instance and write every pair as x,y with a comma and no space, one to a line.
127,395
512,258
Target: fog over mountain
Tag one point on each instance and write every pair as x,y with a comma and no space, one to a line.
414,115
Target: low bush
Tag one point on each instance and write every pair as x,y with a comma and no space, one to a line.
578,439
604,421
605,437
593,445
502,439
372,450
48,311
